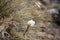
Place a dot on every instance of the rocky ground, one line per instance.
(14, 15)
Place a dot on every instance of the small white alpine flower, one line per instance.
(31, 22)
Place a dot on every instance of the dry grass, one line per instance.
(14, 17)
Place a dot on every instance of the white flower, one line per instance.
(53, 11)
(31, 22)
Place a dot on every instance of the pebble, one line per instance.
(53, 11)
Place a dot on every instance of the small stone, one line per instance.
(49, 23)
(53, 11)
